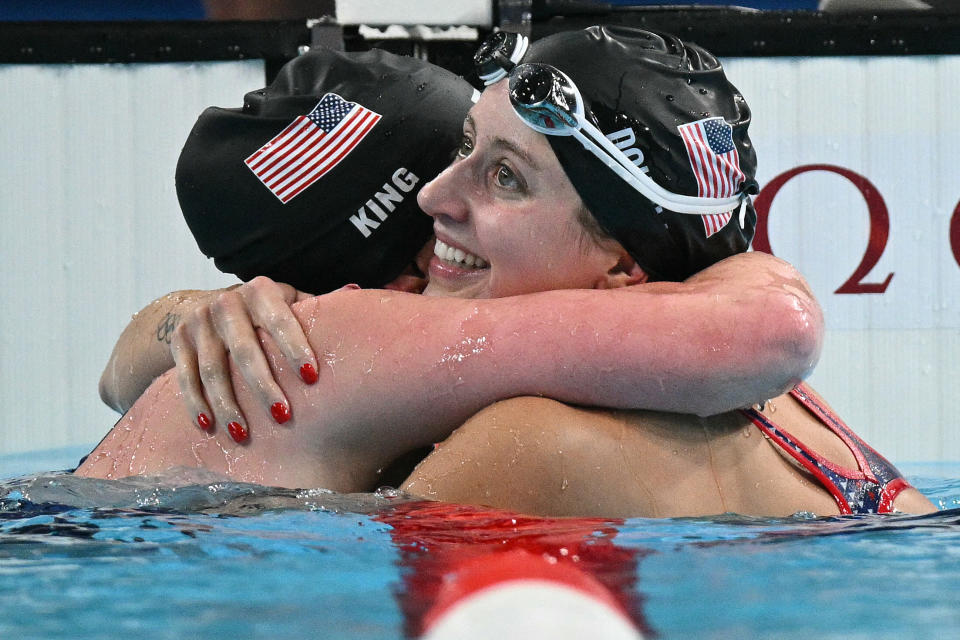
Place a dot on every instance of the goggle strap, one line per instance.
(589, 136)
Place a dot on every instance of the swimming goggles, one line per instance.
(548, 101)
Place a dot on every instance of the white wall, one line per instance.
(890, 363)
(91, 231)
(89, 227)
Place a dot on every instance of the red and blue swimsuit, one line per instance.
(870, 489)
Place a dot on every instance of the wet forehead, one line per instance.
(495, 123)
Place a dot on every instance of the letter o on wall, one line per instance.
(879, 224)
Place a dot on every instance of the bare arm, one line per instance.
(398, 371)
(153, 342)
(143, 350)
(740, 332)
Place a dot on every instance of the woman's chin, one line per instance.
(440, 290)
(452, 281)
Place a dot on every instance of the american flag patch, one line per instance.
(311, 145)
(715, 163)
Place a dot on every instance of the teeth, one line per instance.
(458, 257)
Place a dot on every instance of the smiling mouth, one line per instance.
(458, 257)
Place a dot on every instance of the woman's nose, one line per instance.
(444, 195)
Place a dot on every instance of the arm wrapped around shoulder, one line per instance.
(415, 367)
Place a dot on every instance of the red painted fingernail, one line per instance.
(203, 421)
(309, 374)
(237, 432)
(280, 412)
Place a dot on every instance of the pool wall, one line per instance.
(857, 155)
(91, 229)
(861, 190)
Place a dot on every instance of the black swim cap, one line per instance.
(314, 181)
(642, 90)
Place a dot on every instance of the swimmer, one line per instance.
(514, 188)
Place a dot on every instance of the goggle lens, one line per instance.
(531, 84)
(498, 54)
(544, 98)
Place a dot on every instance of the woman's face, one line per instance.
(505, 214)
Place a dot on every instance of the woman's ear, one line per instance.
(624, 273)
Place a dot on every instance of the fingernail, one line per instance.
(309, 374)
(237, 432)
(203, 421)
(280, 412)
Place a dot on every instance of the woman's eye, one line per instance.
(465, 148)
(507, 179)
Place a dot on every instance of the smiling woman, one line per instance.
(541, 456)
(515, 200)
(506, 202)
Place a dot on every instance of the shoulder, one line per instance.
(544, 424)
(530, 419)
(534, 409)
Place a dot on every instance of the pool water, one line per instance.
(84, 558)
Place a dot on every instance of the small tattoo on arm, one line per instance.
(166, 327)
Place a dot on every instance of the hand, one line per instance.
(226, 327)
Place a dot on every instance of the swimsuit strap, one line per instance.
(833, 422)
(810, 461)
(876, 467)
(869, 489)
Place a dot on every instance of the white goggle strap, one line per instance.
(616, 160)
